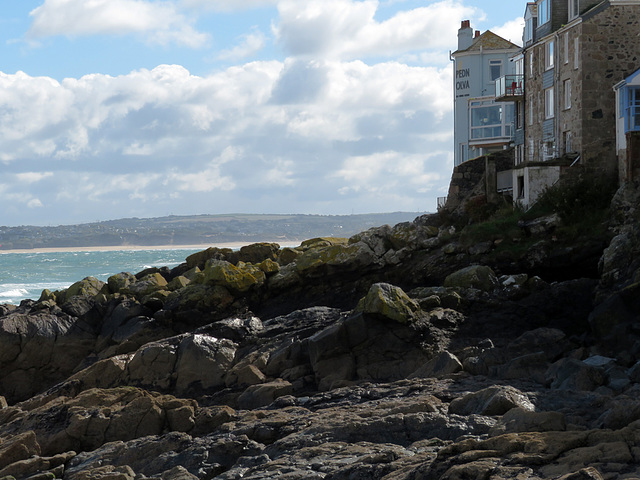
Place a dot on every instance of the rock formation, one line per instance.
(396, 354)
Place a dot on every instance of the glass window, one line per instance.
(567, 94)
(548, 103)
(531, 63)
(576, 56)
(495, 69)
(528, 30)
(544, 11)
(574, 9)
(634, 109)
(491, 120)
(566, 47)
(549, 54)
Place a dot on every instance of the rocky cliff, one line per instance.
(398, 354)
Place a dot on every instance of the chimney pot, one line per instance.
(465, 24)
(477, 34)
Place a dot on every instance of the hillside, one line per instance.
(195, 230)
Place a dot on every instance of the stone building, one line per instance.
(628, 127)
(574, 53)
(482, 125)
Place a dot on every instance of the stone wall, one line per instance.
(469, 179)
(608, 42)
(611, 52)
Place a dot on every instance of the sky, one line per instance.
(145, 108)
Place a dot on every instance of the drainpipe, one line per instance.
(556, 60)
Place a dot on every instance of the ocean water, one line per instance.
(25, 275)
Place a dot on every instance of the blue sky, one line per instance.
(120, 108)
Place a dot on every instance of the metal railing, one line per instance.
(510, 87)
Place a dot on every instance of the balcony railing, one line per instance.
(510, 88)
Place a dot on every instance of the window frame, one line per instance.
(549, 103)
(544, 12)
(567, 93)
(576, 53)
(495, 63)
(549, 54)
(566, 47)
(573, 9)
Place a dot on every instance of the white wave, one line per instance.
(18, 292)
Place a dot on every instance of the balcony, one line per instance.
(510, 88)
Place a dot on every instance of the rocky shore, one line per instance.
(396, 354)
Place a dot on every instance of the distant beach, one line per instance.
(117, 248)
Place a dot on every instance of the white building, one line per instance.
(481, 125)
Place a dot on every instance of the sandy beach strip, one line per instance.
(114, 248)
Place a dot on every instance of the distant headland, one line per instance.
(195, 230)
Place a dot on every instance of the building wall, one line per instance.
(569, 119)
(608, 51)
(611, 52)
(472, 80)
(530, 182)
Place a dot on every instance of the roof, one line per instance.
(631, 80)
(490, 41)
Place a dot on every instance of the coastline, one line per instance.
(113, 248)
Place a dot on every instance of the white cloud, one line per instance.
(159, 22)
(251, 44)
(35, 203)
(33, 177)
(209, 179)
(348, 28)
(311, 134)
(229, 5)
(511, 30)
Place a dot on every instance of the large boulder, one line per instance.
(240, 278)
(341, 256)
(496, 400)
(476, 276)
(258, 252)
(390, 302)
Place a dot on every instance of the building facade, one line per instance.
(482, 125)
(628, 126)
(574, 52)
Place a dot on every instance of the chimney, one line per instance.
(477, 34)
(465, 35)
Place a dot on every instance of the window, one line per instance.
(520, 192)
(530, 111)
(576, 56)
(519, 66)
(567, 94)
(531, 63)
(490, 120)
(568, 147)
(531, 150)
(528, 30)
(519, 154)
(566, 47)
(633, 119)
(486, 122)
(548, 103)
(495, 69)
(549, 54)
(544, 11)
(574, 7)
(548, 150)
(519, 115)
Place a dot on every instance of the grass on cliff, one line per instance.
(582, 202)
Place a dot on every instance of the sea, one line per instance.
(25, 275)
